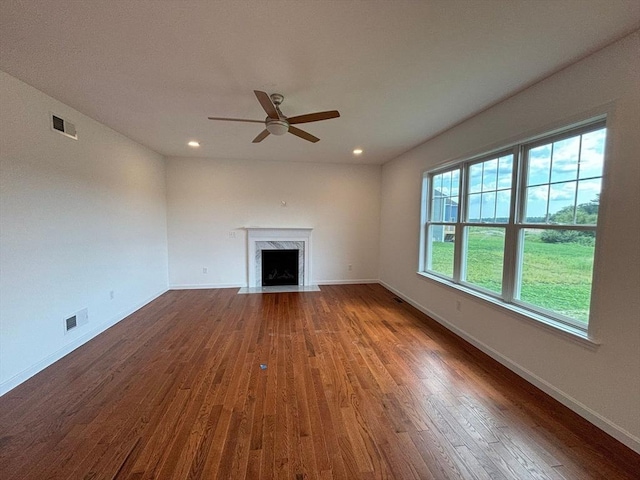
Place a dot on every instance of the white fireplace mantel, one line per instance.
(278, 238)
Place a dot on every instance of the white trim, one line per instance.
(347, 282)
(26, 374)
(204, 286)
(605, 111)
(279, 289)
(567, 400)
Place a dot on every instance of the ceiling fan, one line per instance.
(276, 123)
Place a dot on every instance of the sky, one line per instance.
(565, 172)
(559, 174)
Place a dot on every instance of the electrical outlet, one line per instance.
(205, 270)
(458, 305)
(232, 234)
(350, 267)
(112, 294)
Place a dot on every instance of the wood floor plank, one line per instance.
(346, 383)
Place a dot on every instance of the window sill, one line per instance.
(558, 328)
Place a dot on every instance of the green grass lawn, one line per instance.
(555, 276)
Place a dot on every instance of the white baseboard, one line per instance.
(585, 412)
(205, 286)
(242, 285)
(26, 374)
(346, 282)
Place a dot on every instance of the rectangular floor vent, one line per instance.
(64, 127)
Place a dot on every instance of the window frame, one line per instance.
(515, 228)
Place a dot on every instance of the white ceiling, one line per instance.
(398, 71)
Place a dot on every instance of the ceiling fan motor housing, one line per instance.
(276, 98)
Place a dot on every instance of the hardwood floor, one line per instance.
(346, 383)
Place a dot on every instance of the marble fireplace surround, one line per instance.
(259, 239)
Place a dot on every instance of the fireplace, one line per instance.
(261, 240)
(279, 267)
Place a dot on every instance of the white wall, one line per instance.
(78, 219)
(207, 199)
(603, 384)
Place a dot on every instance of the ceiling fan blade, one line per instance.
(302, 134)
(267, 104)
(264, 134)
(313, 117)
(235, 119)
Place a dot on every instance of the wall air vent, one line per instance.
(76, 320)
(71, 322)
(64, 127)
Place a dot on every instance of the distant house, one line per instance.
(445, 209)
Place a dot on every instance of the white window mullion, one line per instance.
(510, 267)
(462, 214)
(425, 251)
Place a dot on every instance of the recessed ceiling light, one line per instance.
(357, 151)
(193, 144)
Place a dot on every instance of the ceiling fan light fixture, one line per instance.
(277, 127)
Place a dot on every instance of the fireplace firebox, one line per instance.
(280, 267)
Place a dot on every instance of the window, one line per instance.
(520, 225)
